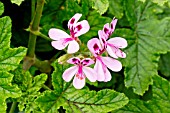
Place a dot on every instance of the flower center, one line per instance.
(80, 73)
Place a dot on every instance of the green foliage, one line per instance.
(30, 89)
(1, 8)
(74, 100)
(159, 102)
(137, 88)
(116, 8)
(18, 2)
(100, 5)
(7, 89)
(10, 57)
(141, 62)
(159, 2)
(164, 64)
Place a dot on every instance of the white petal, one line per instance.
(59, 44)
(57, 34)
(120, 53)
(74, 20)
(78, 83)
(113, 25)
(118, 42)
(69, 73)
(94, 46)
(81, 28)
(74, 60)
(99, 69)
(72, 47)
(87, 62)
(112, 64)
(111, 52)
(90, 73)
(108, 76)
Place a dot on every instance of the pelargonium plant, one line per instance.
(97, 47)
(84, 56)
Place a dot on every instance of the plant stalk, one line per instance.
(14, 105)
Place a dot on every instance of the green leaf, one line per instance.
(9, 58)
(18, 2)
(164, 64)
(102, 101)
(100, 5)
(7, 89)
(1, 8)
(160, 102)
(30, 88)
(145, 44)
(74, 100)
(116, 8)
(159, 2)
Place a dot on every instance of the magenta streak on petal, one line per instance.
(79, 27)
(72, 20)
(115, 48)
(80, 73)
(66, 40)
(85, 62)
(103, 65)
(75, 61)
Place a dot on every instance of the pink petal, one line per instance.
(72, 47)
(112, 64)
(90, 73)
(94, 46)
(69, 73)
(113, 24)
(108, 76)
(118, 42)
(81, 28)
(102, 38)
(99, 69)
(106, 30)
(87, 62)
(74, 20)
(78, 83)
(59, 44)
(120, 53)
(112, 52)
(74, 60)
(57, 34)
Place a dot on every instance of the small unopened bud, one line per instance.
(64, 58)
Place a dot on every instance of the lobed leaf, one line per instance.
(160, 102)
(74, 100)
(9, 58)
(145, 44)
(7, 89)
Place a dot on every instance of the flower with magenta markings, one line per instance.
(62, 39)
(112, 45)
(80, 71)
(102, 63)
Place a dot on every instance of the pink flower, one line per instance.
(81, 71)
(112, 45)
(62, 39)
(102, 63)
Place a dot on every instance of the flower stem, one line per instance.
(14, 104)
(34, 26)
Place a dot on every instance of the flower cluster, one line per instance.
(97, 46)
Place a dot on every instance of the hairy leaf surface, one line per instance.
(160, 102)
